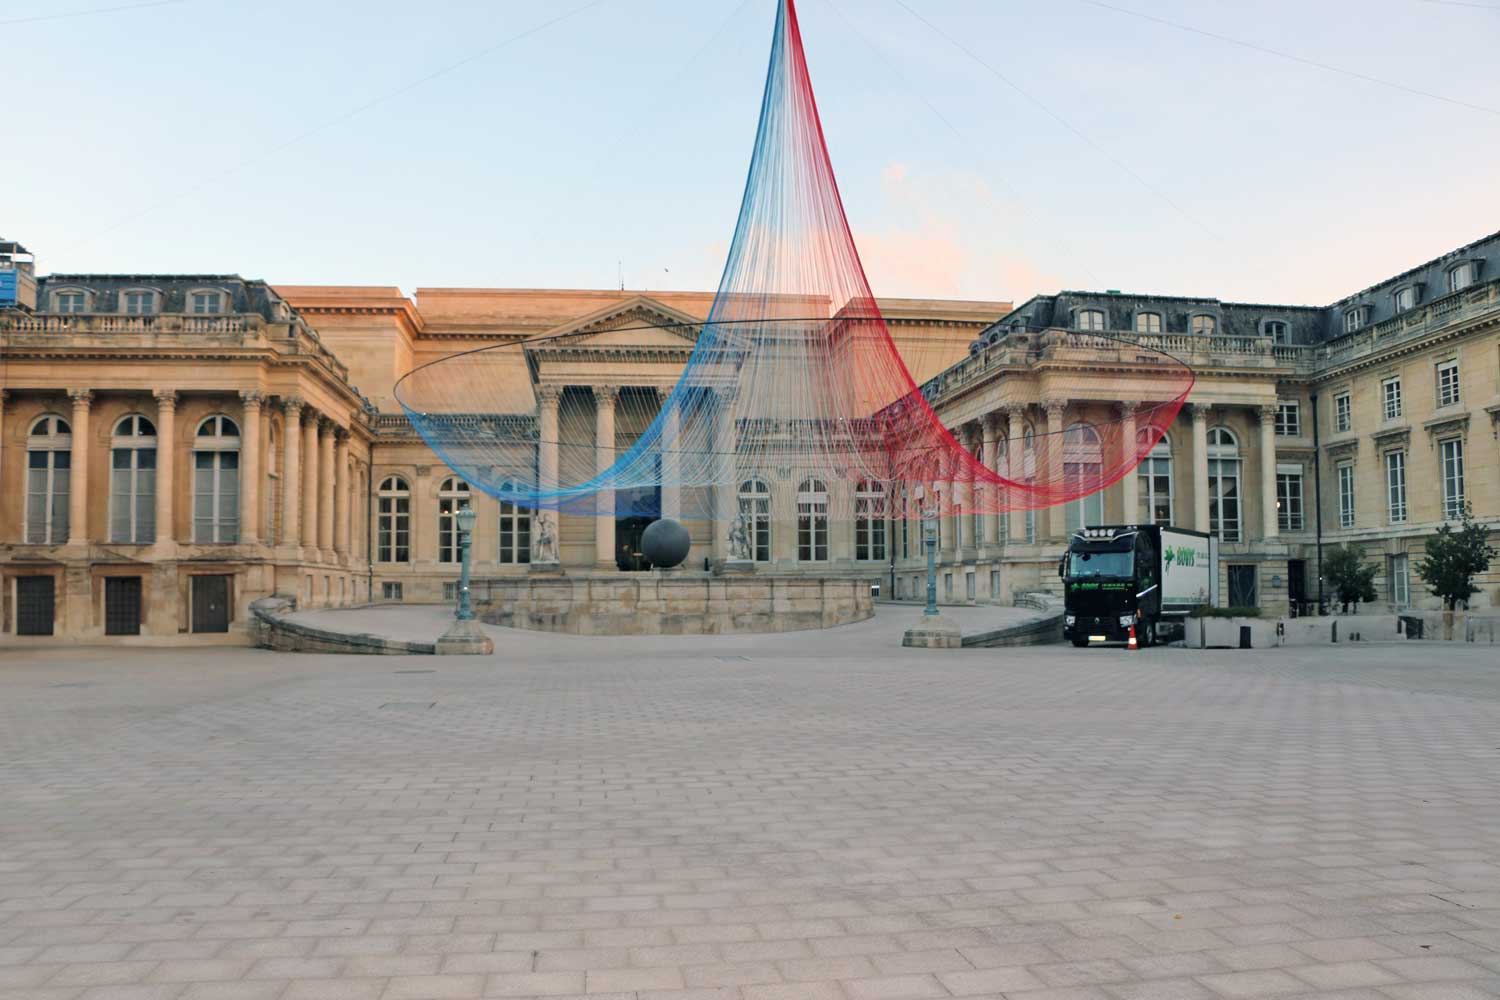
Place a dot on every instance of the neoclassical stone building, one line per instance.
(129, 403)
(260, 425)
(1369, 421)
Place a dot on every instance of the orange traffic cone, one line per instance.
(1132, 645)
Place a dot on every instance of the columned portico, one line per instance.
(78, 486)
(605, 398)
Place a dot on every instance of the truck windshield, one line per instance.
(1100, 563)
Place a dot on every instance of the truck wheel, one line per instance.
(1148, 633)
(1080, 643)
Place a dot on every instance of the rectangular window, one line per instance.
(1224, 498)
(1461, 277)
(1289, 498)
(1204, 325)
(1354, 319)
(1405, 299)
(1390, 395)
(216, 497)
(1447, 384)
(207, 303)
(132, 496)
(70, 302)
(390, 591)
(1395, 486)
(47, 474)
(1343, 412)
(1346, 495)
(1148, 323)
(450, 590)
(140, 303)
(1289, 420)
(1090, 319)
(1453, 478)
(1154, 488)
(1277, 331)
(1398, 573)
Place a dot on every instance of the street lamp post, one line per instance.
(465, 520)
(930, 539)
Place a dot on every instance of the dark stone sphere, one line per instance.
(665, 543)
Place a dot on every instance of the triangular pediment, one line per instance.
(640, 321)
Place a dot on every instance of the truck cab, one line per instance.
(1111, 583)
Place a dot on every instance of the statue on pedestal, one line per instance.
(739, 539)
(544, 542)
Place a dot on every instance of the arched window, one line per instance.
(216, 481)
(393, 521)
(869, 522)
(1083, 473)
(49, 453)
(812, 521)
(70, 300)
(1154, 480)
(452, 497)
(1223, 484)
(1204, 325)
(132, 482)
(1089, 319)
(515, 531)
(1148, 322)
(755, 507)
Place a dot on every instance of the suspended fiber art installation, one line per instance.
(792, 383)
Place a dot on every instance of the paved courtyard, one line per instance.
(817, 816)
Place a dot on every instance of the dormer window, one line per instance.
(207, 303)
(139, 303)
(1461, 276)
(1148, 322)
(70, 302)
(1278, 331)
(1204, 325)
(1356, 318)
(1405, 298)
(1089, 319)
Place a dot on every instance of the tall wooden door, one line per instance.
(122, 605)
(34, 605)
(210, 604)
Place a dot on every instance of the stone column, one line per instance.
(326, 490)
(310, 480)
(166, 457)
(1015, 455)
(341, 495)
(1130, 484)
(1052, 451)
(963, 494)
(1200, 465)
(547, 397)
(1271, 526)
(605, 397)
(726, 490)
(250, 472)
(78, 477)
(988, 454)
(671, 459)
(291, 468)
(4, 395)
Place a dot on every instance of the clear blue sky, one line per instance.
(159, 139)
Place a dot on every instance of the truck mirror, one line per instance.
(1062, 567)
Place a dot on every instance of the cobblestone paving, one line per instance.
(811, 816)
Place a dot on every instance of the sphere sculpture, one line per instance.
(665, 543)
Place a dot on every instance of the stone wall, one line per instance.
(673, 602)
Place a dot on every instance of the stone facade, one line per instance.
(1386, 404)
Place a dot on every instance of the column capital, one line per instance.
(1016, 412)
(81, 398)
(326, 424)
(606, 393)
(293, 406)
(1127, 409)
(990, 426)
(1268, 412)
(1200, 411)
(253, 397)
(4, 395)
(1055, 407)
(341, 436)
(547, 393)
(166, 399)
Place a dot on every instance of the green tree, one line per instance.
(1352, 579)
(1454, 558)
